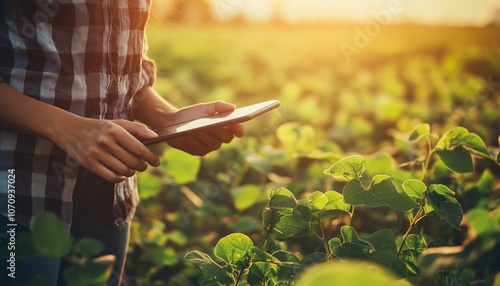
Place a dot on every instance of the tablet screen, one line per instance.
(238, 115)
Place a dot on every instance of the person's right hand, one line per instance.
(108, 148)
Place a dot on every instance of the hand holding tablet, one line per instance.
(238, 115)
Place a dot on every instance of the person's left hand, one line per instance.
(204, 142)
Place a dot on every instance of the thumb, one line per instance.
(138, 130)
(215, 107)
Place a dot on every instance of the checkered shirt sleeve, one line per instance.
(86, 57)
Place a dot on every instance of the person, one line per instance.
(74, 84)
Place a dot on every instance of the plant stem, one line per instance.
(425, 167)
(324, 238)
(420, 215)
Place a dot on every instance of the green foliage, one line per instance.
(397, 105)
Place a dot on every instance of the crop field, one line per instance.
(382, 156)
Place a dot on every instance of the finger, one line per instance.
(129, 160)
(138, 130)
(136, 148)
(238, 130)
(104, 172)
(210, 108)
(115, 165)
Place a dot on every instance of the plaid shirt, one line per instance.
(86, 57)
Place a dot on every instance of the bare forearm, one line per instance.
(151, 109)
(25, 114)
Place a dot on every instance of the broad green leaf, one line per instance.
(211, 269)
(313, 258)
(390, 261)
(164, 256)
(459, 136)
(419, 131)
(480, 189)
(458, 159)
(148, 184)
(291, 225)
(349, 233)
(352, 246)
(348, 168)
(349, 274)
(260, 273)
(281, 198)
(415, 242)
(447, 208)
(381, 192)
(245, 196)
(415, 189)
(180, 166)
(441, 189)
(311, 205)
(269, 218)
(233, 247)
(94, 272)
(336, 202)
(50, 237)
(285, 256)
(383, 240)
(88, 247)
(260, 255)
(410, 258)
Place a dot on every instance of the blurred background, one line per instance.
(353, 77)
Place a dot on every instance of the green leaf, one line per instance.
(447, 208)
(419, 131)
(95, 272)
(211, 269)
(458, 159)
(260, 255)
(281, 198)
(336, 202)
(441, 189)
(410, 258)
(390, 261)
(415, 189)
(269, 218)
(349, 274)
(245, 196)
(88, 247)
(233, 247)
(348, 168)
(352, 246)
(459, 136)
(50, 237)
(295, 225)
(162, 256)
(415, 242)
(311, 205)
(285, 256)
(148, 184)
(383, 240)
(260, 273)
(381, 192)
(180, 166)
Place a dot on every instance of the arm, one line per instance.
(151, 109)
(111, 150)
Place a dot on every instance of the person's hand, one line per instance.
(204, 142)
(108, 148)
